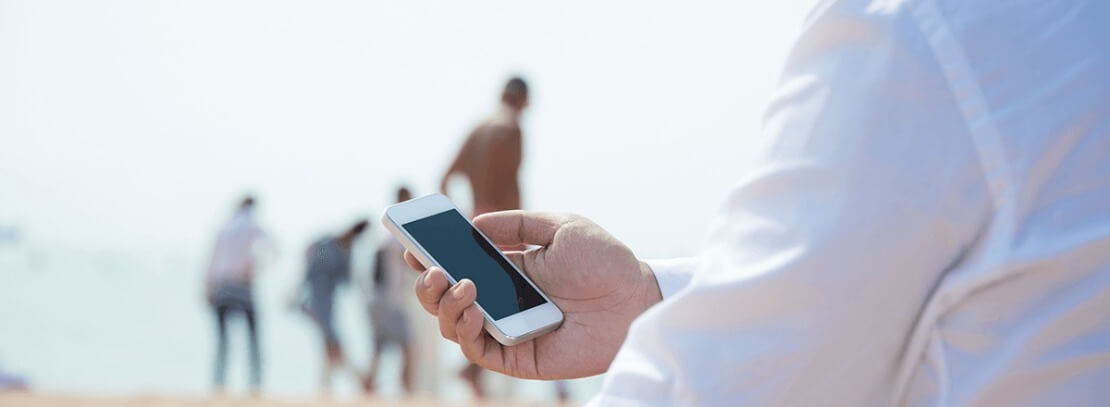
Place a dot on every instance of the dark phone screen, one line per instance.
(451, 240)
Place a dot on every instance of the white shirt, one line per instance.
(928, 225)
(233, 259)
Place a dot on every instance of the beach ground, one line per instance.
(29, 399)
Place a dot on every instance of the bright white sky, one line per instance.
(135, 125)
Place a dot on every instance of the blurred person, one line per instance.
(229, 287)
(490, 159)
(927, 225)
(12, 382)
(562, 392)
(388, 317)
(329, 266)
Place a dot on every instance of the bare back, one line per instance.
(491, 159)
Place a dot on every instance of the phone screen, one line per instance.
(454, 243)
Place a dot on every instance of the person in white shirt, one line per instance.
(229, 286)
(928, 224)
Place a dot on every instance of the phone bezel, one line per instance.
(510, 330)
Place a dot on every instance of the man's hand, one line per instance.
(597, 282)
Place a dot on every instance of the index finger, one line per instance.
(517, 227)
(413, 262)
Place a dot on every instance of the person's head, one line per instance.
(515, 94)
(247, 203)
(403, 194)
(357, 228)
(353, 232)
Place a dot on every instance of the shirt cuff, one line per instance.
(672, 274)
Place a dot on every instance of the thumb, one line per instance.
(517, 227)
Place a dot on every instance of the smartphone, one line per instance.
(437, 234)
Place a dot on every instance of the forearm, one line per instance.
(651, 293)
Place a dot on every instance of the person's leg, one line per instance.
(321, 310)
(338, 361)
(329, 365)
(406, 368)
(371, 379)
(256, 353)
(221, 348)
(472, 374)
(561, 391)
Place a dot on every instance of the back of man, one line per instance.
(233, 256)
(491, 156)
(490, 159)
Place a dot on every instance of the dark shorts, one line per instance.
(320, 308)
(229, 295)
(390, 324)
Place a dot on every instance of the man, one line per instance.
(927, 226)
(329, 266)
(491, 156)
(388, 317)
(229, 286)
(490, 159)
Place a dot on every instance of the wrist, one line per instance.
(652, 294)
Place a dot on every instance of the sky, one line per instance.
(128, 129)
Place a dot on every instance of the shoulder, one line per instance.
(863, 84)
(859, 24)
(504, 132)
(861, 51)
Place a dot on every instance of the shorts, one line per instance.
(319, 307)
(233, 295)
(390, 324)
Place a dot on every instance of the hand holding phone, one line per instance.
(595, 281)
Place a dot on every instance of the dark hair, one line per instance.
(247, 202)
(517, 86)
(403, 193)
(358, 228)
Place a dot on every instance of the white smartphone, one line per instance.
(437, 234)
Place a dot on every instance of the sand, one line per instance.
(49, 400)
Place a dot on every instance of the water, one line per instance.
(111, 323)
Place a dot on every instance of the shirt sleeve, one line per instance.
(868, 190)
(672, 274)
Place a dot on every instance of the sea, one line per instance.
(83, 322)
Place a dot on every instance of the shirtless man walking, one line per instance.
(490, 159)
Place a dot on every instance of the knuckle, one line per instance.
(446, 329)
(447, 336)
(425, 297)
(469, 351)
(431, 307)
(452, 304)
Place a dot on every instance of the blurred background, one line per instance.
(129, 130)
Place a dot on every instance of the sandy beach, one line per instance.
(50, 400)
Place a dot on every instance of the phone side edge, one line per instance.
(406, 241)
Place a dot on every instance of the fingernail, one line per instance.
(427, 279)
(458, 294)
